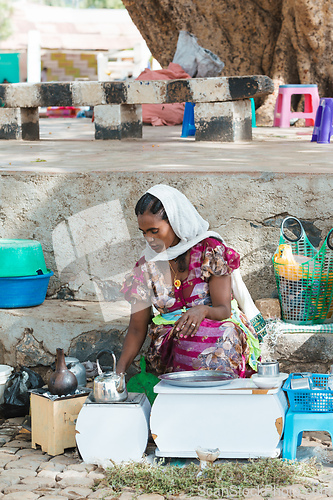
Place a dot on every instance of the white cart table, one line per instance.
(239, 419)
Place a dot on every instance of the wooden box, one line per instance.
(53, 422)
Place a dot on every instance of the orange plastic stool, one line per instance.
(283, 113)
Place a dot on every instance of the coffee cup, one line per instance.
(301, 381)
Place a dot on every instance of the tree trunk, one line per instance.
(291, 41)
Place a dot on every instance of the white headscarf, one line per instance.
(184, 219)
(191, 228)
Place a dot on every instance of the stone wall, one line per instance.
(30, 336)
(88, 229)
(300, 352)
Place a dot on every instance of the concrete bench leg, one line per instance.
(107, 122)
(131, 121)
(223, 121)
(10, 123)
(30, 124)
(118, 121)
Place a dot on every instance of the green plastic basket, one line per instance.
(306, 288)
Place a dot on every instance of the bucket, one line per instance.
(5, 371)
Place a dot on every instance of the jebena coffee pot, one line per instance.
(109, 387)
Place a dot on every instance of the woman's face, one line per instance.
(157, 232)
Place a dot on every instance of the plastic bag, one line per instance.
(195, 60)
(143, 382)
(163, 114)
(17, 396)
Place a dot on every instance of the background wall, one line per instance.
(88, 229)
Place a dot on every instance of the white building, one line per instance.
(71, 39)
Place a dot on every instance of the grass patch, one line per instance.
(170, 480)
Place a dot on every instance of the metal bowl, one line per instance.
(268, 368)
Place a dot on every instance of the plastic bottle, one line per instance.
(330, 380)
(291, 266)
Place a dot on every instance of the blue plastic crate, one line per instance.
(317, 399)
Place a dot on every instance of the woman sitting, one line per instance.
(188, 275)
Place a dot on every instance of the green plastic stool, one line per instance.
(143, 382)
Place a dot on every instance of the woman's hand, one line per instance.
(220, 293)
(188, 324)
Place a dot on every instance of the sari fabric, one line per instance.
(217, 345)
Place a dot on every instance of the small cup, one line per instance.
(301, 381)
(268, 368)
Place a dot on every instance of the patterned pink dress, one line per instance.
(217, 345)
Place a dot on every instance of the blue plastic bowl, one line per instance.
(23, 291)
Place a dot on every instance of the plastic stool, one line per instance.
(323, 128)
(253, 110)
(283, 113)
(188, 127)
(297, 422)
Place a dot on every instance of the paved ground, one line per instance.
(29, 474)
(69, 146)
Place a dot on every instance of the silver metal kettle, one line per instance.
(109, 387)
(74, 365)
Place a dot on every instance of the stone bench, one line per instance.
(222, 111)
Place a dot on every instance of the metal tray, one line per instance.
(200, 378)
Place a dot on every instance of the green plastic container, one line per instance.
(21, 258)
